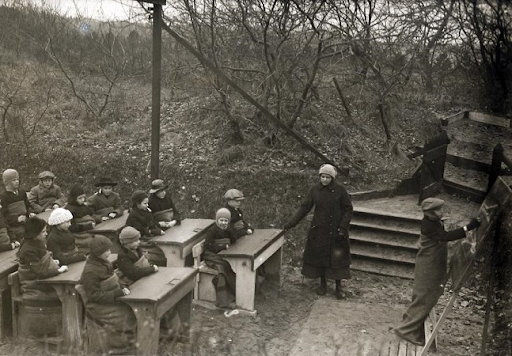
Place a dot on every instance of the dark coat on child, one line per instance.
(236, 216)
(41, 198)
(143, 221)
(30, 255)
(5, 239)
(156, 205)
(78, 212)
(126, 259)
(328, 231)
(95, 271)
(7, 198)
(103, 205)
(62, 244)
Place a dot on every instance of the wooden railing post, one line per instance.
(497, 158)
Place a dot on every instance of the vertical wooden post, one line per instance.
(155, 102)
(497, 158)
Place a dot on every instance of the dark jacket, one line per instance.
(156, 205)
(125, 262)
(328, 232)
(5, 239)
(30, 255)
(41, 198)
(8, 198)
(61, 242)
(79, 211)
(236, 216)
(143, 221)
(216, 239)
(96, 271)
(112, 204)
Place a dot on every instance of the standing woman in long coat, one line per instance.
(327, 251)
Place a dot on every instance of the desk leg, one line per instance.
(148, 329)
(273, 266)
(173, 255)
(245, 284)
(72, 315)
(184, 307)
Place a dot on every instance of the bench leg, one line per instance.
(273, 266)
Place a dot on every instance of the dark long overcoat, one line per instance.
(328, 240)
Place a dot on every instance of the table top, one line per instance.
(252, 245)
(111, 225)
(72, 275)
(8, 262)
(156, 286)
(183, 233)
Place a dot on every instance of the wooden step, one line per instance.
(377, 224)
(383, 237)
(393, 255)
(453, 187)
(382, 268)
(387, 214)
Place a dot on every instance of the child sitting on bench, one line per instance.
(61, 242)
(234, 198)
(46, 195)
(105, 202)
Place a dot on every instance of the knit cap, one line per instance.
(222, 213)
(59, 216)
(430, 204)
(234, 194)
(33, 227)
(46, 174)
(129, 234)
(99, 244)
(8, 175)
(75, 192)
(138, 196)
(329, 170)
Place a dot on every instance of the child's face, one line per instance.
(133, 245)
(223, 223)
(80, 200)
(105, 255)
(47, 182)
(161, 193)
(234, 203)
(106, 190)
(65, 225)
(143, 205)
(42, 235)
(439, 212)
(325, 179)
(15, 183)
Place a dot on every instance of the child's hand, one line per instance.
(48, 209)
(104, 218)
(62, 269)
(112, 215)
(155, 267)
(31, 215)
(55, 206)
(22, 218)
(249, 231)
(162, 224)
(172, 223)
(238, 225)
(126, 291)
(15, 244)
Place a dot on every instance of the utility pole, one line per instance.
(156, 85)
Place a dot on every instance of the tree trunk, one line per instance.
(384, 121)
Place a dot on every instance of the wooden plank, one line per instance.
(434, 153)
(183, 233)
(489, 119)
(468, 163)
(454, 118)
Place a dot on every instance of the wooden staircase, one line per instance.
(384, 242)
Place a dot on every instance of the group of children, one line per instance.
(47, 248)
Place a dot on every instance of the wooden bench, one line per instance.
(204, 289)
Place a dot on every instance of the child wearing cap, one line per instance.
(430, 269)
(101, 289)
(83, 218)
(36, 262)
(15, 205)
(61, 242)
(218, 238)
(161, 205)
(131, 262)
(234, 198)
(105, 202)
(46, 195)
(327, 251)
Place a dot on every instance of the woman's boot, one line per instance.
(322, 289)
(339, 292)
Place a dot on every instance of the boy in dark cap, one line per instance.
(430, 269)
(102, 288)
(105, 202)
(234, 198)
(46, 195)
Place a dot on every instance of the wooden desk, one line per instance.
(249, 253)
(177, 242)
(8, 265)
(72, 308)
(152, 296)
(111, 225)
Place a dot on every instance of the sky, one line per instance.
(97, 9)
